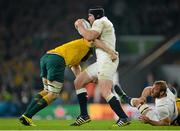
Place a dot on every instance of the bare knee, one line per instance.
(78, 83)
(105, 93)
(105, 88)
(81, 80)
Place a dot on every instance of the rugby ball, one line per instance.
(86, 25)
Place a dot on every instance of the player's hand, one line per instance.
(78, 23)
(144, 119)
(138, 101)
(113, 56)
(142, 100)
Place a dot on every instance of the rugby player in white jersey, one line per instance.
(102, 70)
(165, 110)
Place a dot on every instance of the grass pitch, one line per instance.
(14, 124)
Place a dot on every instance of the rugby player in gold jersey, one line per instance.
(52, 66)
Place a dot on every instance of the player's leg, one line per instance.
(135, 102)
(105, 76)
(53, 84)
(23, 118)
(54, 89)
(80, 82)
(82, 79)
(105, 89)
(143, 108)
(127, 99)
(178, 106)
(119, 91)
(35, 99)
(27, 120)
(43, 75)
(38, 96)
(81, 93)
(177, 120)
(122, 95)
(55, 66)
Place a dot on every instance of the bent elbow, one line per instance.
(90, 38)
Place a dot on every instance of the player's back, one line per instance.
(72, 51)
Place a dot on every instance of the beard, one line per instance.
(156, 95)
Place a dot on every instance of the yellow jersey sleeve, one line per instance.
(178, 104)
(73, 51)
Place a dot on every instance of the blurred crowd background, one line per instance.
(28, 28)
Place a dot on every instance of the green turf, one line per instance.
(13, 124)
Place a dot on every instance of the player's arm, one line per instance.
(163, 122)
(86, 33)
(92, 35)
(76, 69)
(99, 44)
(142, 99)
(146, 92)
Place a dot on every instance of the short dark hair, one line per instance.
(97, 11)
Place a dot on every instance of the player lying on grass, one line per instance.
(165, 111)
(52, 65)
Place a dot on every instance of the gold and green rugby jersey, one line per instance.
(73, 51)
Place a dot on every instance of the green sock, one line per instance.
(33, 102)
(36, 108)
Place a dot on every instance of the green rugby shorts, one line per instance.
(52, 67)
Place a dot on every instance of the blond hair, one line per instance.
(163, 85)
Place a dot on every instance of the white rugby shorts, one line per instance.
(103, 69)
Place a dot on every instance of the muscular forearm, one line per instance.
(146, 92)
(163, 122)
(104, 47)
(99, 44)
(87, 34)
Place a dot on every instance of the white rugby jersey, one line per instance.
(107, 35)
(166, 106)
